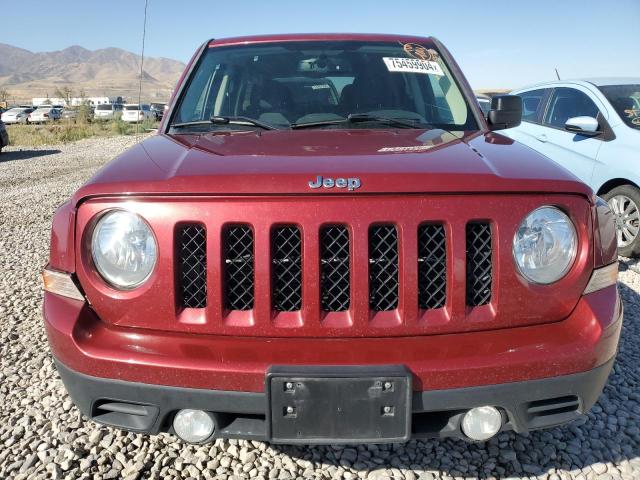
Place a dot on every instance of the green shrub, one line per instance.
(120, 127)
(68, 130)
(84, 114)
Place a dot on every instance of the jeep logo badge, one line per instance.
(351, 183)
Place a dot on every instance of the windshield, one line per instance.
(288, 83)
(626, 100)
(132, 107)
(104, 107)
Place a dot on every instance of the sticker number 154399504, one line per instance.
(412, 65)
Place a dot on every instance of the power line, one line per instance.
(144, 34)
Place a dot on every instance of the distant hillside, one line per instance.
(108, 72)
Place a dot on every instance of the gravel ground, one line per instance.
(42, 435)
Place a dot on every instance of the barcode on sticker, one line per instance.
(412, 65)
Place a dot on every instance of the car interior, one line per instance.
(568, 103)
(297, 86)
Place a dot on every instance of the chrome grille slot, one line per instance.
(192, 246)
(286, 268)
(238, 267)
(335, 284)
(479, 264)
(383, 267)
(432, 266)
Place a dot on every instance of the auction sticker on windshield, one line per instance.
(412, 65)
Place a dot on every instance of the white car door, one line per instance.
(576, 152)
(533, 106)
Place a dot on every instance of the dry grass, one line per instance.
(64, 131)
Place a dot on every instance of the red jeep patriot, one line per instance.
(327, 243)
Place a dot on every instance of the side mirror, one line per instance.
(506, 112)
(587, 126)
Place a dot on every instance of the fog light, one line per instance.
(194, 426)
(481, 423)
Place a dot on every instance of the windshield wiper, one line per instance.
(242, 121)
(218, 120)
(357, 118)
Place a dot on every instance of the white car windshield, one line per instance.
(626, 100)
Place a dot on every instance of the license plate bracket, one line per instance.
(324, 405)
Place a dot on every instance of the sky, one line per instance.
(498, 44)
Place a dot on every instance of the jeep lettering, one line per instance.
(348, 183)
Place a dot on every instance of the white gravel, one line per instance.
(42, 435)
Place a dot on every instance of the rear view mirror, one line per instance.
(588, 126)
(506, 112)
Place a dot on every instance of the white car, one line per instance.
(107, 111)
(16, 115)
(44, 114)
(485, 104)
(592, 128)
(137, 113)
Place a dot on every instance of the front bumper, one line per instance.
(586, 339)
(145, 408)
(539, 375)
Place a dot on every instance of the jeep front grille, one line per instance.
(383, 267)
(238, 267)
(286, 273)
(479, 263)
(308, 273)
(192, 266)
(335, 284)
(432, 266)
(338, 265)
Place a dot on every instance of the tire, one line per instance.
(625, 204)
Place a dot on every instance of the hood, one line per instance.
(284, 162)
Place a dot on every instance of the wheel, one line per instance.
(625, 204)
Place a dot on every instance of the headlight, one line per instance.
(124, 249)
(545, 245)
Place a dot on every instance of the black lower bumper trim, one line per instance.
(150, 409)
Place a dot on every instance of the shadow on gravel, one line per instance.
(24, 154)
(603, 444)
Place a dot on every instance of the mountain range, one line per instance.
(103, 72)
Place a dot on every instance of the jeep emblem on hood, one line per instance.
(351, 183)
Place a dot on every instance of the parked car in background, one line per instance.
(592, 128)
(332, 269)
(4, 136)
(69, 113)
(134, 112)
(158, 110)
(485, 104)
(72, 113)
(16, 115)
(44, 114)
(108, 111)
